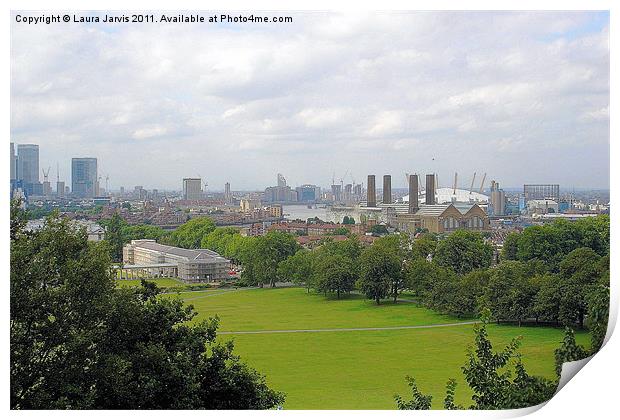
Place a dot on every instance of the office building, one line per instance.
(13, 163)
(308, 193)
(227, 194)
(84, 177)
(497, 204)
(60, 188)
(192, 188)
(28, 163)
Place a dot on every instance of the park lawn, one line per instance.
(357, 369)
(294, 308)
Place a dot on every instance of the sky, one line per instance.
(521, 96)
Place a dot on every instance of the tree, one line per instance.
(190, 234)
(142, 232)
(334, 274)
(114, 236)
(218, 239)
(378, 230)
(298, 268)
(419, 401)
(380, 273)
(78, 342)
(469, 293)
(569, 351)
(464, 251)
(418, 275)
(509, 294)
(597, 301)
(341, 231)
(261, 255)
(578, 271)
(546, 305)
(348, 220)
(424, 246)
(510, 246)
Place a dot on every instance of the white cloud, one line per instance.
(394, 90)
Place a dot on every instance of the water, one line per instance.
(301, 211)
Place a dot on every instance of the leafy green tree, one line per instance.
(78, 342)
(578, 271)
(142, 232)
(509, 294)
(510, 247)
(546, 305)
(464, 251)
(424, 246)
(334, 274)
(348, 220)
(341, 231)
(419, 274)
(419, 401)
(378, 230)
(298, 268)
(261, 255)
(189, 234)
(597, 300)
(569, 351)
(469, 293)
(219, 239)
(380, 273)
(114, 236)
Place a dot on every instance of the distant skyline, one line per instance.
(522, 96)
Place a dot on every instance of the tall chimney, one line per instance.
(387, 189)
(413, 194)
(371, 195)
(430, 189)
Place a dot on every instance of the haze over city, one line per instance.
(522, 96)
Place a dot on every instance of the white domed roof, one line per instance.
(447, 195)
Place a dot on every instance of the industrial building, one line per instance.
(437, 210)
(147, 258)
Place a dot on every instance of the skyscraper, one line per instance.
(13, 163)
(371, 193)
(84, 177)
(227, 195)
(28, 163)
(387, 189)
(192, 188)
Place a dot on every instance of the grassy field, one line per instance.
(356, 369)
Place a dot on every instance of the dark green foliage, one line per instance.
(348, 220)
(190, 233)
(598, 301)
(78, 342)
(378, 230)
(578, 271)
(114, 236)
(297, 268)
(341, 231)
(448, 402)
(261, 255)
(334, 274)
(424, 246)
(510, 294)
(380, 272)
(510, 247)
(219, 239)
(419, 401)
(569, 351)
(464, 251)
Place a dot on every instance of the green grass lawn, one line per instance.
(356, 369)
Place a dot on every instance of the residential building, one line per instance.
(84, 177)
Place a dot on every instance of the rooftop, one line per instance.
(205, 255)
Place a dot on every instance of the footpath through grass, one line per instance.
(357, 369)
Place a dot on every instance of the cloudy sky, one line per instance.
(521, 96)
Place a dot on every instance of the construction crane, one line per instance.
(471, 187)
(482, 183)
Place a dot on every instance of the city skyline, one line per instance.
(521, 96)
